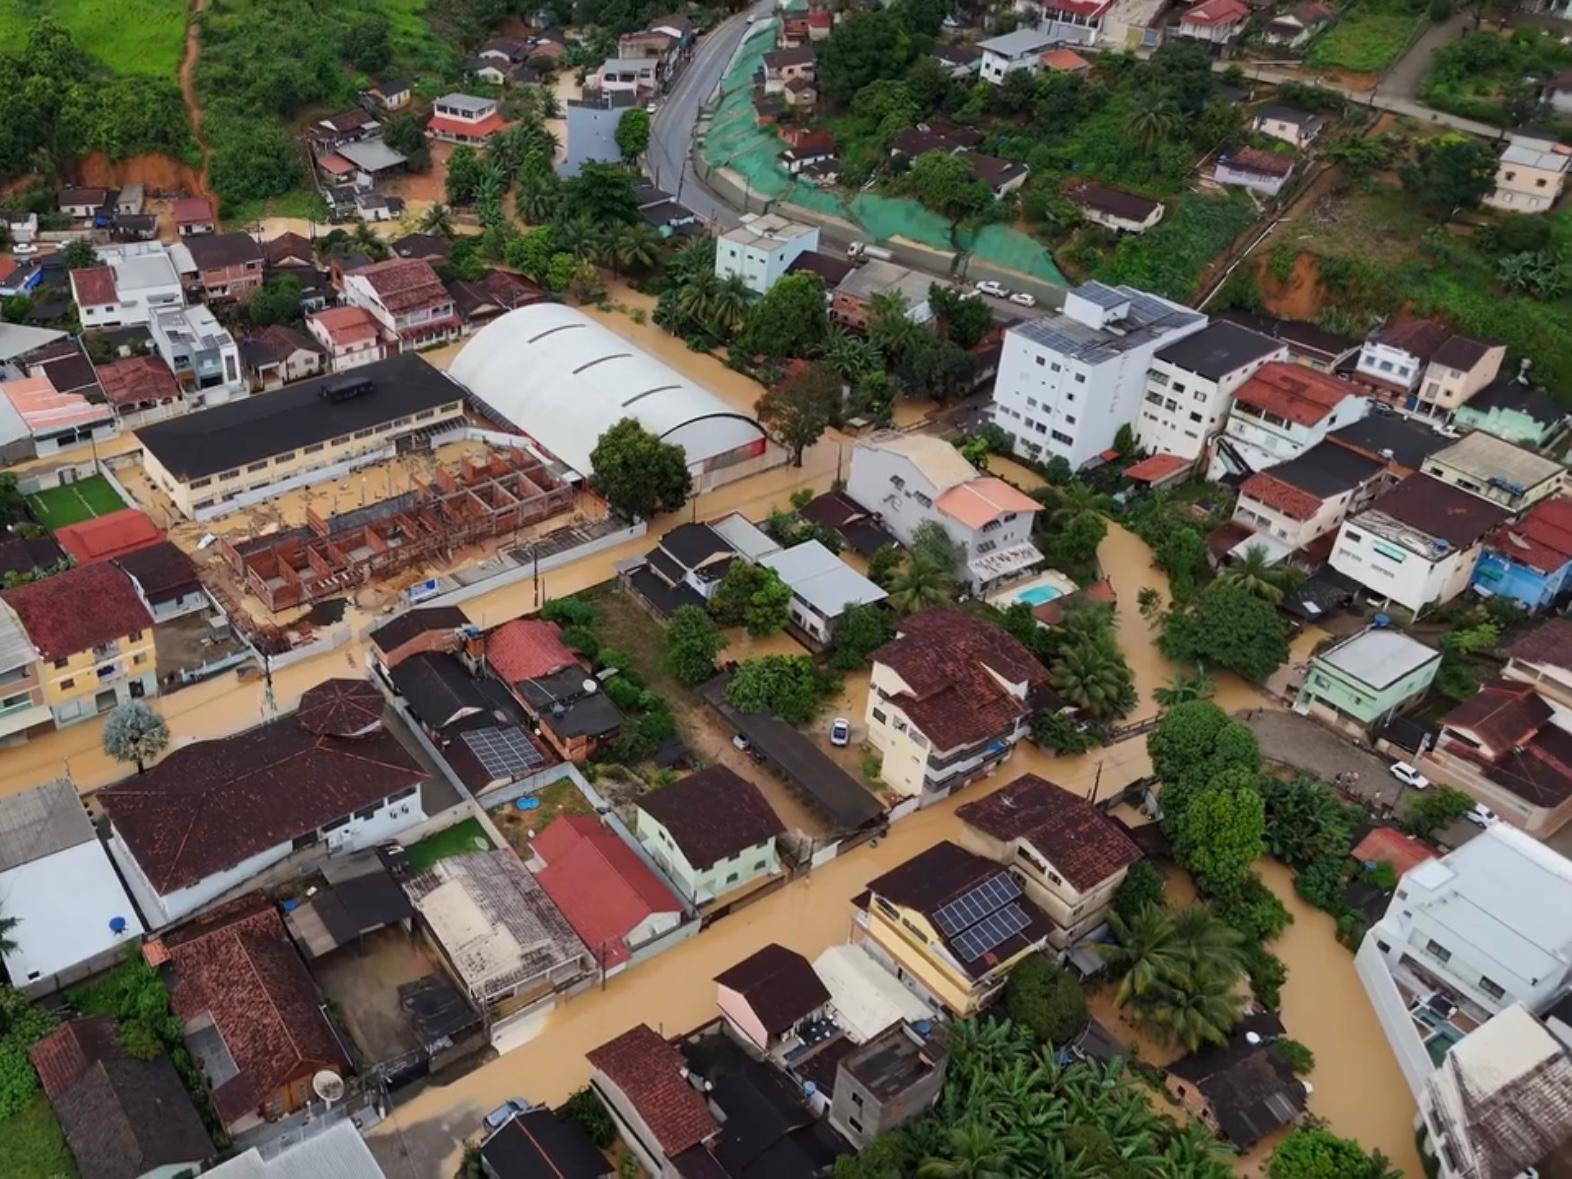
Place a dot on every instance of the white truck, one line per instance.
(860, 252)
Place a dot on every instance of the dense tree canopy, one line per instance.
(864, 48)
(1449, 173)
(788, 321)
(637, 473)
(1228, 627)
(789, 686)
(798, 410)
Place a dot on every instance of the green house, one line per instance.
(1363, 680)
(1513, 412)
(712, 833)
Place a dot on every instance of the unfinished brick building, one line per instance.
(509, 491)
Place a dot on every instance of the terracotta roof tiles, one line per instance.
(526, 649)
(1294, 393)
(1292, 502)
(78, 610)
(1084, 845)
(649, 1071)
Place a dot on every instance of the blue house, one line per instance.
(1529, 561)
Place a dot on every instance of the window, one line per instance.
(732, 878)
(336, 823)
(922, 499)
(1491, 988)
(67, 684)
(897, 482)
(1080, 379)
(61, 662)
(1351, 536)
(857, 1099)
(1063, 439)
(1178, 388)
(1041, 361)
(760, 865)
(315, 447)
(1053, 368)
(366, 812)
(987, 546)
(404, 793)
(1437, 950)
(228, 475)
(134, 636)
(200, 483)
(139, 658)
(305, 840)
(1195, 417)
(262, 466)
(285, 457)
(887, 909)
(880, 716)
(1158, 379)
(364, 433)
(854, 1124)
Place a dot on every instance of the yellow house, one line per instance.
(1071, 856)
(951, 925)
(94, 639)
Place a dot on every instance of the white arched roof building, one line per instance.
(564, 380)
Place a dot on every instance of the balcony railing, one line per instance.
(107, 651)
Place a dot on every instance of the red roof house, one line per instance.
(137, 382)
(1082, 844)
(1541, 540)
(649, 1075)
(526, 649)
(104, 538)
(1160, 470)
(1389, 845)
(1294, 393)
(343, 326)
(75, 611)
(612, 900)
(193, 215)
(94, 286)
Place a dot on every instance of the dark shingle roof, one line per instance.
(438, 688)
(540, 1145)
(1218, 349)
(1461, 353)
(242, 432)
(1116, 201)
(1440, 509)
(1083, 844)
(1409, 442)
(1505, 393)
(712, 815)
(210, 251)
(778, 984)
(126, 1117)
(693, 544)
(1326, 470)
(413, 623)
(1250, 1086)
(163, 570)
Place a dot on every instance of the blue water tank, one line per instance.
(527, 804)
(1381, 621)
(117, 925)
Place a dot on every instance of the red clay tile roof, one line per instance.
(1503, 713)
(105, 537)
(526, 649)
(1541, 540)
(944, 658)
(334, 164)
(347, 325)
(1294, 393)
(1549, 643)
(442, 124)
(403, 284)
(138, 379)
(1262, 163)
(649, 1071)
(1264, 487)
(1067, 60)
(601, 886)
(191, 210)
(1390, 845)
(286, 246)
(712, 815)
(238, 965)
(1084, 845)
(340, 708)
(94, 286)
(1216, 12)
(778, 984)
(63, 1056)
(1157, 468)
(211, 804)
(78, 610)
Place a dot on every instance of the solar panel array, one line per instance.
(968, 909)
(505, 753)
(990, 932)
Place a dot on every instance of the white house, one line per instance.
(349, 336)
(464, 118)
(1424, 365)
(1115, 209)
(913, 479)
(1417, 544)
(1260, 171)
(1281, 412)
(1494, 469)
(761, 248)
(1218, 23)
(200, 352)
(823, 587)
(628, 74)
(1020, 50)
(328, 778)
(1531, 174)
(1305, 498)
(1483, 927)
(1069, 379)
(1288, 125)
(1190, 386)
(129, 284)
(72, 916)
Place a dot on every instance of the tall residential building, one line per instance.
(1068, 380)
(1191, 386)
(1281, 412)
(200, 352)
(761, 248)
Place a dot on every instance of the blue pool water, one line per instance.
(1037, 595)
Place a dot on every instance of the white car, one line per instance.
(1022, 299)
(840, 731)
(23, 249)
(989, 287)
(1482, 816)
(1408, 775)
(650, 108)
(507, 1111)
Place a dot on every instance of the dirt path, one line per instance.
(188, 86)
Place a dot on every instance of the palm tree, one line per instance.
(1182, 688)
(634, 247)
(1209, 943)
(1094, 678)
(918, 585)
(1070, 501)
(696, 298)
(730, 306)
(694, 257)
(438, 220)
(1257, 576)
(538, 195)
(852, 356)
(366, 238)
(7, 924)
(582, 238)
(1155, 121)
(1143, 954)
(971, 1152)
(546, 102)
(1200, 1012)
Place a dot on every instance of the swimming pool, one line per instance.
(1038, 594)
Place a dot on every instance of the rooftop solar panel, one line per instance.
(504, 752)
(971, 907)
(991, 932)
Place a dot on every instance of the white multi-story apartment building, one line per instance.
(1416, 545)
(1191, 384)
(1281, 412)
(761, 248)
(913, 479)
(1067, 381)
(1483, 927)
(200, 352)
(128, 285)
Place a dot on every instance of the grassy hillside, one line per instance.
(132, 37)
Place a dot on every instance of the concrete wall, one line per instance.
(1392, 1014)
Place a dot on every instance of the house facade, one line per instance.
(1249, 167)
(349, 336)
(23, 708)
(200, 352)
(408, 301)
(1514, 411)
(463, 118)
(1531, 175)
(1297, 502)
(228, 265)
(760, 249)
(1497, 471)
(1020, 50)
(1368, 677)
(1280, 413)
(1191, 383)
(712, 832)
(1529, 561)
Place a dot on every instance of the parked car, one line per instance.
(989, 287)
(1022, 299)
(506, 1111)
(740, 742)
(22, 249)
(1482, 816)
(1408, 775)
(840, 731)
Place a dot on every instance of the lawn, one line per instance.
(35, 1146)
(129, 36)
(1367, 38)
(558, 799)
(457, 840)
(1472, 76)
(305, 204)
(72, 503)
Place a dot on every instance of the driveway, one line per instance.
(1299, 742)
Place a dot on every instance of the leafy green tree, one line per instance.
(1149, 602)
(769, 609)
(884, 565)
(603, 193)
(1155, 121)
(945, 183)
(1046, 998)
(405, 134)
(15, 308)
(368, 43)
(933, 545)
(1227, 627)
(634, 248)
(728, 604)
(633, 133)
(692, 642)
(1141, 886)
(788, 321)
(1058, 733)
(1428, 811)
(638, 474)
(465, 170)
(1221, 832)
(275, 301)
(1449, 173)
(1090, 673)
(789, 686)
(1256, 575)
(530, 253)
(1177, 971)
(1299, 1057)
(78, 254)
(1312, 1152)
(1182, 554)
(135, 733)
(1076, 545)
(863, 48)
(1306, 821)
(1192, 744)
(966, 321)
(861, 631)
(969, 1152)
(918, 585)
(797, 411)
(1182, 688)
(584, 1110)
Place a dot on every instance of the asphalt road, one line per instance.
(671, 132)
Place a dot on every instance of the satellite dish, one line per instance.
(590, 685)
(328, 1085)
(1252, 1037)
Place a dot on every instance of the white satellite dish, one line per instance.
(590, 685)
(1252, 1037)
(328, 1085)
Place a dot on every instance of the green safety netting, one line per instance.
(1010, 248)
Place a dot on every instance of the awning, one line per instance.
(1276, 550)
(1015, 559)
